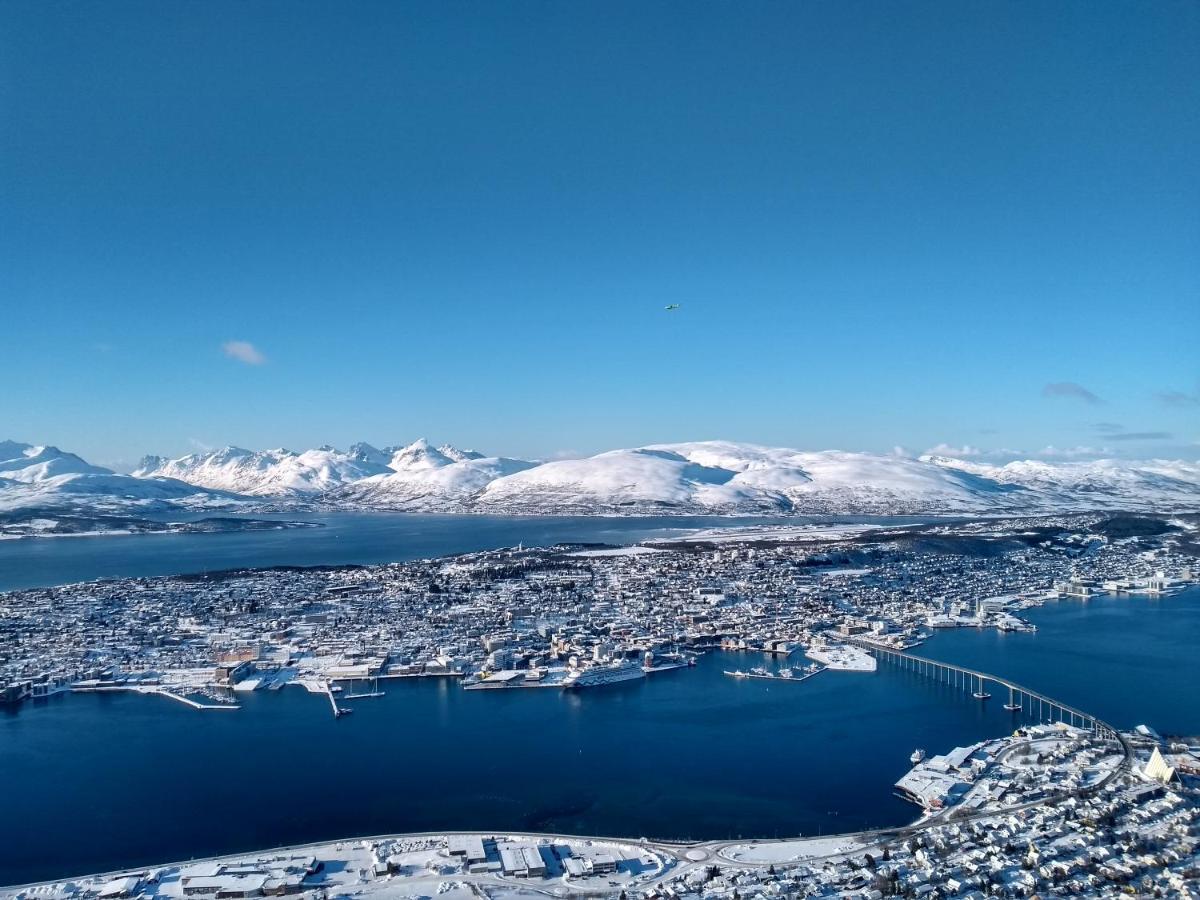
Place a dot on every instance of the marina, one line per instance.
(785, 674)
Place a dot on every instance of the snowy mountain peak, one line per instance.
(365, 453)
(277, 472)
(30, 463)
(420, 454)
(459, 455)
(701, 477)
(13, 449)
(47, 478)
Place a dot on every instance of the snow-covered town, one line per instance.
(1064, 808)
(571, 616)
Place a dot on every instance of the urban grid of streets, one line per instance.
(1052, 809)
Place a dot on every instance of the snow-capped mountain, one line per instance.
(43, 477)
(1095, 484)
(27, 463)
(284, 473)
(727, 477)
(437, 482)
(699, 477)
(269, 473)
(421, 456)
(720, 476)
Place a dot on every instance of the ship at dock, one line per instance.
(611, 673)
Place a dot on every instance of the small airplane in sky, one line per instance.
(671, 306)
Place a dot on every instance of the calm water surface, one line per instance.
(99, 782)
(1129, 660)
(345, 539)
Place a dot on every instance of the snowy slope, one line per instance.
(695, 477)
(721, 476)
(269, 473)
(27, 463)
(450, 486)
(1097, 484)
(33, 477)
(284, 473)
(645, 478)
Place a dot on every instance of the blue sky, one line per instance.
(885, 224)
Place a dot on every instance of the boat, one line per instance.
(918, 756)
(736, 674)
(613, 673)
(759, 671)
(786, 673)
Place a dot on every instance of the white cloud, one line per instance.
(969, 451)
(243, 351)
(963, 452)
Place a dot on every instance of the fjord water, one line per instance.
(343, 539)
(1128, 660)
(99, 782)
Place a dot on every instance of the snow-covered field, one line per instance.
(792, 851)
(843, 658)
(616, 551)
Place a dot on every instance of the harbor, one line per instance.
(622, 629)
(784, 674)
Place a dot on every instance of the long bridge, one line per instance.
(1020, 698)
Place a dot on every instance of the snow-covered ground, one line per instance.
(792, 851)
(842, 657)
(706, 477)
(421, 865)
(40, 478)
(616, 551)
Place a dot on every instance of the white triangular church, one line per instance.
(1157, 769)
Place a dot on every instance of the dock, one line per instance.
(338, 711)
(155, 690)
(194, 704)
(770, 676)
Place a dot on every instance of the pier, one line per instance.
(194, 704)
(974, 682)
(338, 712)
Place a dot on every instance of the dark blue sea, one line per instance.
(100, 782)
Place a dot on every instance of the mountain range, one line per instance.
(706, 477)
(34, 478)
